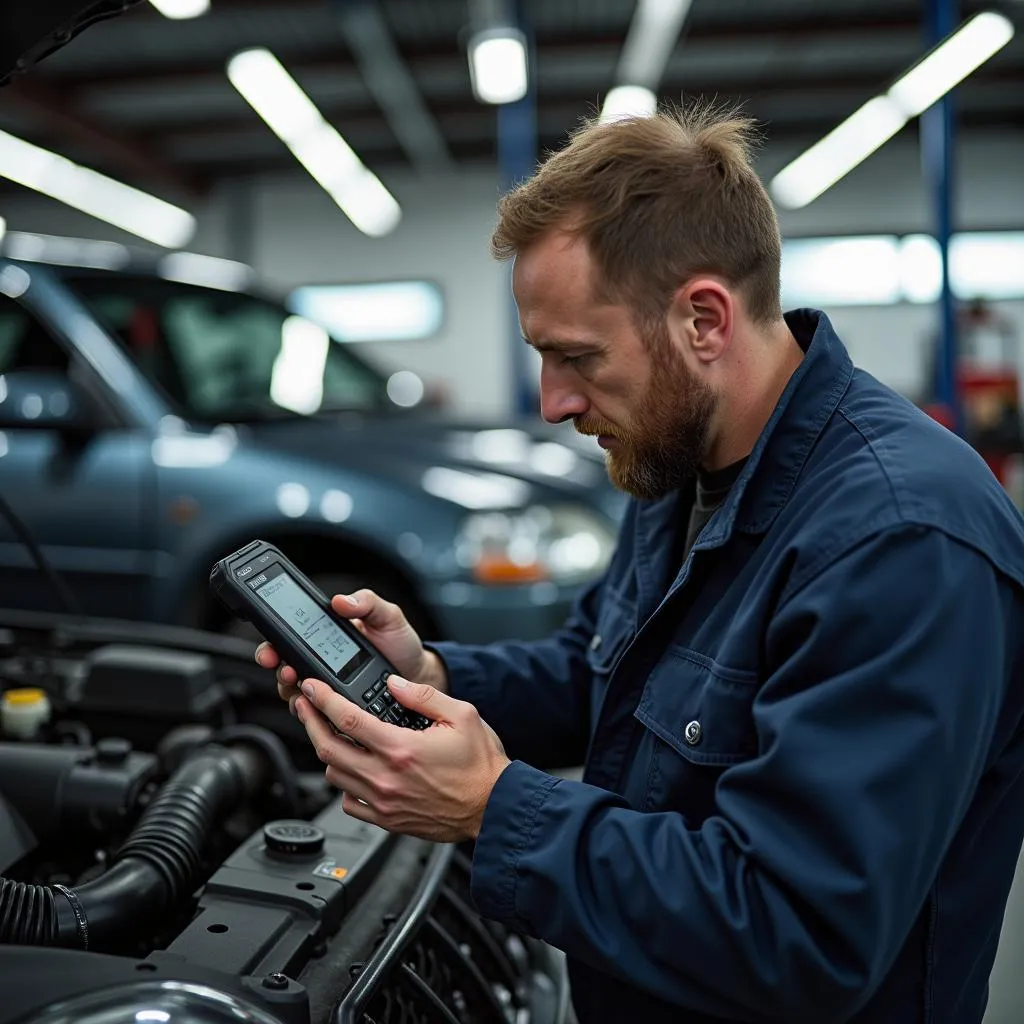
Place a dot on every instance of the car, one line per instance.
(150, 426)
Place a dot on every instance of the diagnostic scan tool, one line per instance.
(260, 585)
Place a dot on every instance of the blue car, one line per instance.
(148, 427)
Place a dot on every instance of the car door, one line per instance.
(78, 487)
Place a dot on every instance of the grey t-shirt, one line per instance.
(712, 490)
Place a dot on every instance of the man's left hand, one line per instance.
(433, 784)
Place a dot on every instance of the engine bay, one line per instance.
(170, 852)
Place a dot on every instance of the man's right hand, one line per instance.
(384, 624)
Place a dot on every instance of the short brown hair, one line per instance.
(658, 199)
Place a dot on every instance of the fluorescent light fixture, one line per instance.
(625, 101)
(66, 252)
(652, 35)
(828, 160)
(951, 62)
(841, 271)
(389, 311)
(297, 379)
(180, 9)
(989, 264)
(293, 117)
(207, 271)
(497, 65)
(853, 141)
(94, 193)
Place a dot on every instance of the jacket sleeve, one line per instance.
(535, 695)
(886, 674)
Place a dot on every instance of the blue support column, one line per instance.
(517, 159)
(938, 155)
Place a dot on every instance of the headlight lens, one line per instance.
(565, 544)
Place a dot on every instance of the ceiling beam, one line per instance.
(51, 113)
(392, 86)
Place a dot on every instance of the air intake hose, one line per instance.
(153, 870)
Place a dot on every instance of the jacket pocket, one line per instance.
(614, 629)
(700, 709)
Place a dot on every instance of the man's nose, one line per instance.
(559, 401)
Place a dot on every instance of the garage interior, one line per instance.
(165, 98)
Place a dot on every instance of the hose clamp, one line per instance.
(81, 922)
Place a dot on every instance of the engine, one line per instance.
(171, 853)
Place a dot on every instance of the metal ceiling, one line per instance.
(146, 99)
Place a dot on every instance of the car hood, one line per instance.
(421, 452)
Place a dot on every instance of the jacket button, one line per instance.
(595, 642)
(693, 733)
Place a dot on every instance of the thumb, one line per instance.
(420, 697)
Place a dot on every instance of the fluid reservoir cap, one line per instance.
(293, 837)
(112, 750)
(23, 711)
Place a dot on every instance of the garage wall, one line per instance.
(290, 231)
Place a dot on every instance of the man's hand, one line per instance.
(433, 784)
(384, 624)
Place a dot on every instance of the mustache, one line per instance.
(592, 428)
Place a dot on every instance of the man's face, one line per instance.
(649, 411)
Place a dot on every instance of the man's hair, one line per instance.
(658, 200)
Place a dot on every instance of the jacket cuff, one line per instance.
(462, 670)
(505, 834)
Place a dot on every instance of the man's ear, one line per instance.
(701, 317)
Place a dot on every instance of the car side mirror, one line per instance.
(41, 400)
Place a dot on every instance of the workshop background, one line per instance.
(905, 221)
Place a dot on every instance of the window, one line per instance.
(884, 269)
(387, 311)
(222, 356)
(25, 344)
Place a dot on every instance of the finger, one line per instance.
(292, 698)
(349, 783)
(427, 700)
(354, 809)
(330, 748)
(287, 676)
(371, 608)
(266, 656)
(349, 718)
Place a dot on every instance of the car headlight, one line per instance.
(565, 544)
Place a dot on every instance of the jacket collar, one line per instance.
(809, 400)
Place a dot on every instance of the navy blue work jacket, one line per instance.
(803, 796)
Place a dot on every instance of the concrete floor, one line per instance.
(1006, 994)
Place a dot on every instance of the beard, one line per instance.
(666, 439)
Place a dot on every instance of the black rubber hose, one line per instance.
(28, 914)
(157, 866)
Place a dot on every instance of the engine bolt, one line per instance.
(277, 980)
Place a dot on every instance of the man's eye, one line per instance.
(576, 361)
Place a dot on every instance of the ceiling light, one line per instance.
(179, 9)
(497, 65)
(626, 101)
(93, 193)
(951, 62)
(652, 35)
(828, 160)
(879, 119)
(293, 117)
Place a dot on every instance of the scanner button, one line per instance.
(376, 708)
(380, 684)
(368, 694)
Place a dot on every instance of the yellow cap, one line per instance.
(24, 697)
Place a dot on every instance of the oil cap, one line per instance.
(293, 838)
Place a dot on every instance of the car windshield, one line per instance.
(229, 356)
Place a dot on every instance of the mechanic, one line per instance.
(798, 688)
